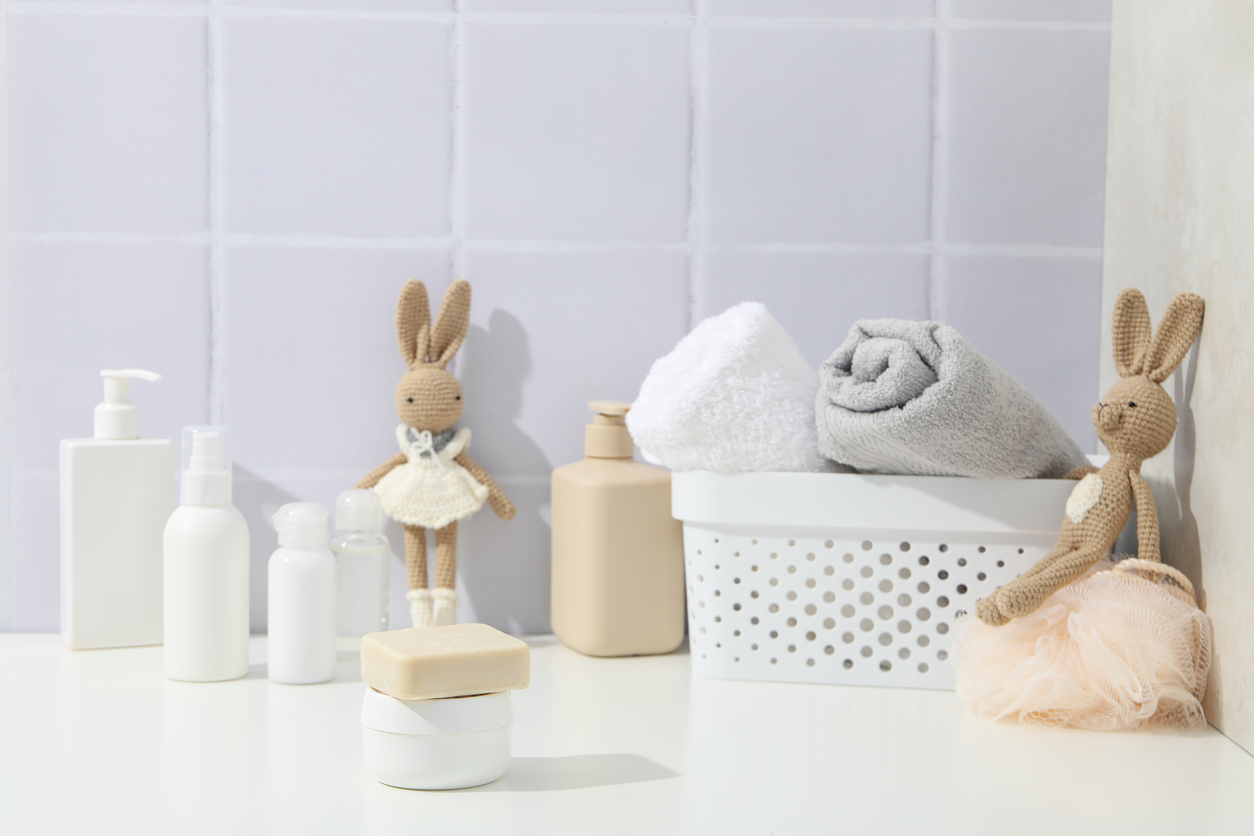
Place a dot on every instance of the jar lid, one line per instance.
(450, 715)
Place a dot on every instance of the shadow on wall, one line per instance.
(504, 566)
(258, 500)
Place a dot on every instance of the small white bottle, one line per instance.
(363, 568)
(117, 491)
(302, 597)
(206, 567)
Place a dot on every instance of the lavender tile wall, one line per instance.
(233, 191)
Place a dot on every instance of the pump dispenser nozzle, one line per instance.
(117, 418)
(206, 466)
(607, 436)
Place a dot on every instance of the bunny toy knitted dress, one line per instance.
(431, 489)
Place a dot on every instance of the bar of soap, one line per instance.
(427, 663)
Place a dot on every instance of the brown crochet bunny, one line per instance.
(432, 483)
(1135, 420)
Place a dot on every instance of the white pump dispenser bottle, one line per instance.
(206, 568)
(301, 610)
(117, 490)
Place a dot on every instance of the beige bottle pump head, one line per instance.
(607, 436)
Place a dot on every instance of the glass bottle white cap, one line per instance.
(358, 510)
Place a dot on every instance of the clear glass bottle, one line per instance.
(363, 570)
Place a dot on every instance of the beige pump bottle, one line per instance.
(618, 555)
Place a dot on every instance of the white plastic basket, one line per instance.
(849, 579)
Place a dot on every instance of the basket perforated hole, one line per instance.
(736, 607)
(885, 612)
(925, 587)
(829, 570)
(717, 619)
(981, 577)
(810, 556)
(792, 542)
(792, 570)
(737, 659)
(702, 631)
(792, 596)
(774, 555)
(943, 547)
(867, 571)
(847, 638)
(962, 589)
(717, 593)
(792, 648)
(886, 586)
(753, 594)
(774, 581)
(981, 550)
(755, 542)
(904, 626)
(829, 597)
(792, 622)
(753, 620)
(962, 561)
(942, 655)
(924, 641)
(775, 634)
(886, 639)
(923, 561)
(847, 664)
(904, 653)
(774, 660)
(867, 545)
(943, 575)
(829, 650)
(942, 628)
(811, 609)
(1020, 551)
(828, 544)
(867, 598)
(923, 667)
(886, 559)
(810, 584)
(809, 663)
(1001, 564)
(866, 652)
(735, 580)
(923, 614)
(753, 568)
(715, 539)
(753, 647)
(811, 636)
(735, 554)
(698, 551)
(847, 610)
(886, 665)
(903, 600)
(701, 604)
(773, 608)
(848, 558)
(867, 625)
(829, 623)
(942, 601)
(700, 578)
(736, 633)
(904, 574)
(718, 644)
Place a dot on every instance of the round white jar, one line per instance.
(443, 744)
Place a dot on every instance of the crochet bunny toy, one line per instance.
(1135, 420)
(432, 483)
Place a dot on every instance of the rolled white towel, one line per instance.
(735, 395)
(916, 398)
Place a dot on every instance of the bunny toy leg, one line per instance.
(444, 596)
(1026, 592)
(416, 567)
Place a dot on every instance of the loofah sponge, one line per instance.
(735, 395)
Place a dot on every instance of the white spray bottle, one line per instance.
(117, 491)
(206, 568)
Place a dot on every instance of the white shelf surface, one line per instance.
(100, 742)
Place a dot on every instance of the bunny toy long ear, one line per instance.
(1131, 332)
(413, 322)
(451, 323)
(1175, 335)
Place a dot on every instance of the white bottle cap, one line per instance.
(358, 510)
(301, 525)
(117, 417)
(206, 466)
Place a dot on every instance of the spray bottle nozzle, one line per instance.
(117, 417)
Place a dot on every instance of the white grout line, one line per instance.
(554, 18)
(838, 247)
(110, 238)
(345, 475)
(940, 183)
(457, 148)
(218, 309)
(698, 98)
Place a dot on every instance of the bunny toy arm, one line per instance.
(496, 497)
(1080, 472)
(372, 478)
(1146, 519)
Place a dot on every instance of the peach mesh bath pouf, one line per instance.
(1124, 647)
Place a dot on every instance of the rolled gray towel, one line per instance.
(916, 398)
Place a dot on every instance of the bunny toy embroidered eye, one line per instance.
(433, 482)
(1135, 420)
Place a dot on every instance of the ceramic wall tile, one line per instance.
(1025, 137)
(34, 542)
(310, 361)
(1039, 319)
(819, 135)
(1085, 11)
(336, 126)
(576, 132)
(817, 296)
(821, 8)
(108, 123)
(77, 308)
(615, 7)
(551, 332)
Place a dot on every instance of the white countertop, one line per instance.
(99, 742)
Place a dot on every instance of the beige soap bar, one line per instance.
(426, 663)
